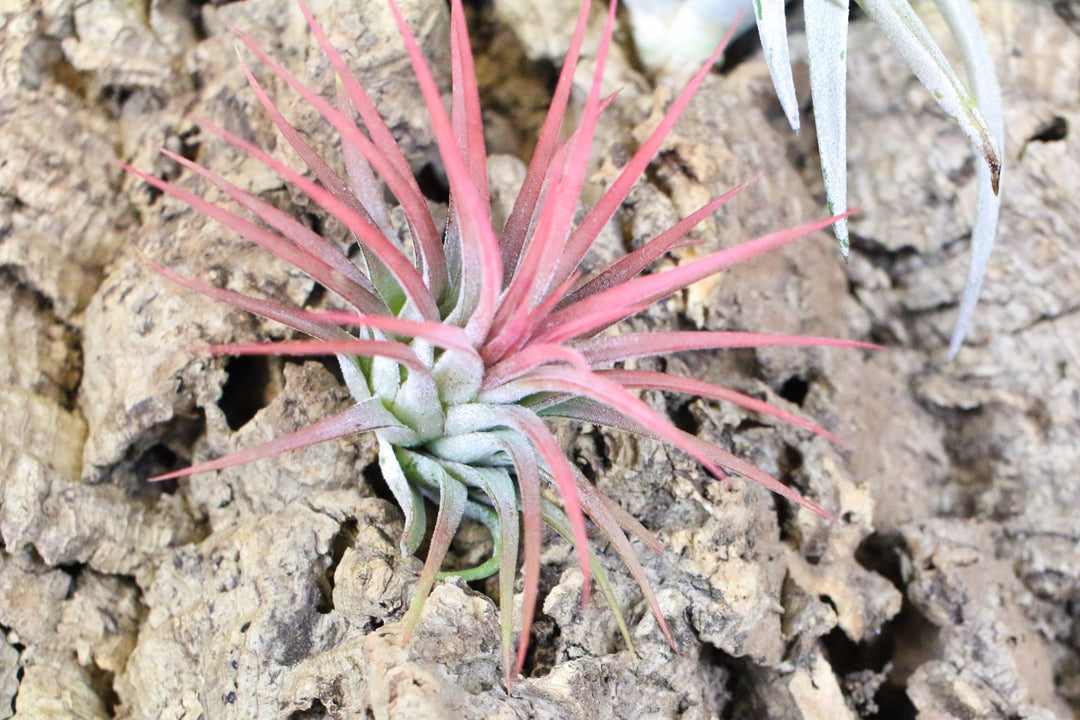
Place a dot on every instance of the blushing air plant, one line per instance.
(461, 344)
(978, 112)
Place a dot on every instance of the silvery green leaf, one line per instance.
(381, 277)
(980, 69)
(384, 376)
(407, 497)
(498, 486)
(458, 375)
(772, 29)
(473, 448)
(354, 378)
(902, 26)
(470, 418)
(826, 37)
(417, 404)
(452, 500)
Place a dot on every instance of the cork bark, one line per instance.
(275, 590)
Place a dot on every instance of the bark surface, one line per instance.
(274, 590)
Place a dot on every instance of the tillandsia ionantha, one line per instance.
(978, 111)
(461, 344)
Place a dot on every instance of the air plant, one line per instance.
(978, 112)
(461, 344)
(678, 33)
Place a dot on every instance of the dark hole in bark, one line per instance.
(793, 459)
(547, 70)
(903, 643)
(373, 479)
(73, 571)
(20, 673)
(316, 711)
(247, 390)
(794, 390)
(1067, 10)
(194, 15)
(77, 81)
(1051, 131)
(119, 100)
(739, 50)
(785, 516)
(864, 670)
(102, 683)
(190, 144)
(880, 553)
(343, 540)
(471, 545)
(543, 643)
(683, 418)
(158, 460)
(315, 297)
(433, 184)
(790, 466)
(542, 654)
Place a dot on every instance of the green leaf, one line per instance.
(452, 499)
(407, 497)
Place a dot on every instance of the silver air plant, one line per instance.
(660, 31)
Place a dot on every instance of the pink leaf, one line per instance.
(398, 352)
(547, 246)
(517, 225)
(747, 470)
(312, 159)
(563, 378)
(600, 414)
(648, 380)
(630, 265)
(273, 243)
(447, 336)
(610, 306)
(526, 422)
(467, 120)
(630, 524)
(404, 271)
(433, 260)
(593, 502)
(302, 236)
(586, 233)
(402, 268)
(283, 314)
(477, 236)
(362, 417)
(613, 348)
(529, 358)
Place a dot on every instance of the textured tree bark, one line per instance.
(273, 590)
